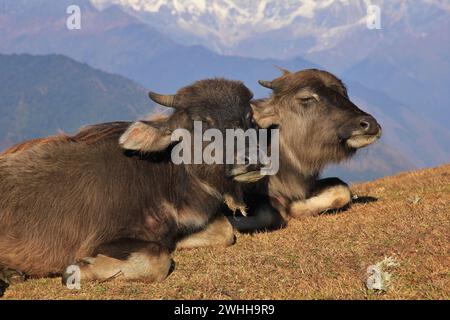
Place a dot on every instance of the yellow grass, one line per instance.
(316, 258)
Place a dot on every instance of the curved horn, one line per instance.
(266, 84)
(284, 71)
(163, 99)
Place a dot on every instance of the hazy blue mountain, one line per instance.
(408, 58)
(366, 164)
(116, 42)
(41, 95)
(283, 28)
(418, 78)
(110, 40)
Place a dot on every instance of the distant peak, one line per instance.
(224, 24)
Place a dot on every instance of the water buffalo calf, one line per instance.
(319, 125)
(119, 209)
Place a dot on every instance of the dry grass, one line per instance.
(317, 258)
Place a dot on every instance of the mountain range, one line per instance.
(408, 58)
(43, 95)
(123, 39)
(289, 28)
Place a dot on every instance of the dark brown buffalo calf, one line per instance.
(119, 210)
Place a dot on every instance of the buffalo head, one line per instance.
(318, 122)
(216, 104)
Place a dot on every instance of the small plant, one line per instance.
(378, 277)
(414, 199)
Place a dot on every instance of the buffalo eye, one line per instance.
(306, 99)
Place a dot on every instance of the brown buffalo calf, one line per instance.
(119, 210)
(319, 125)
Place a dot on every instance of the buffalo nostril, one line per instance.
(365, 125)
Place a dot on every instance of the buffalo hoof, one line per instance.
(16, 277)
(234, 240)
(172, 267)
(11, 276)
(3, 286)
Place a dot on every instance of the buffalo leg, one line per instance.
(218, 233)
(8, 277)
(126, 258)
(11, 276)
(262, 216)
(328, 194)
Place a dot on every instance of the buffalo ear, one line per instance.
(146, 137)
(265, 115)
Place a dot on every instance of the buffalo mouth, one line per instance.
(362, 140)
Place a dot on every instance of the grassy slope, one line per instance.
(315, 258)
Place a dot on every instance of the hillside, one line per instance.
(41, 95)
(404, 217)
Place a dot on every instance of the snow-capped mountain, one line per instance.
(230, 21)
(295, 26)
(408, 58)
(400, 74)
